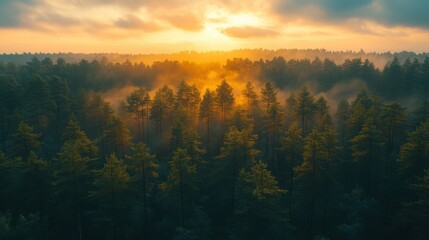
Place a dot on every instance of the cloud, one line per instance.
(11, 12)
(56, 18)
(133, 22)
(190, 22)
(411, 13)
(249, 32)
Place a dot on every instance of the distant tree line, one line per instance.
(181, 162)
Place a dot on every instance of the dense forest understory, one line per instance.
(268, 149)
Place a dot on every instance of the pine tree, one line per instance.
(189, 97)
(111, 182)
(117, 135)
(238, 151)
(251, 96)
(414, 213)
(414, 153)
(273, 121)
(314, 178)
(207, 112)
(143, 170)
(37, 174)
(185, 137)
(72, 174)
(305, 109)
(421, 114)
(291, 105)
(259, 213)
(342, 115)
(62, 99)
(365, 147)
(39, 103)
(180, 178)
(136, 107)
(162, 107)
(25, 140)
(224, 100)
(393, 118)
(323, 119)
(292, 146)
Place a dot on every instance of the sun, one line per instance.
(217, 20)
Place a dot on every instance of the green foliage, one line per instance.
(188, 97)
(25, 140)
(374, 188)
(137, 106)
(359, 213)
(28, 227)
(414, 153)
(224, 99)
(181, 172)
(112, 179)
(74, 163)
(305, 109)
(207, 107)
(260, 182)
(239, 148)
(162, 106)
(259, 200)
(184, 137)
(415, 211)
(251, 96)
(118, 137)
(111, 182)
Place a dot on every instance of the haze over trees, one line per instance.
(249, 149)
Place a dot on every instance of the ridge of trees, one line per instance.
(180, 162)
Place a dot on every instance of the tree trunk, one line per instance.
(182, 217)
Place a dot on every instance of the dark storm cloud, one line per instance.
(411, 13)
(11, 12)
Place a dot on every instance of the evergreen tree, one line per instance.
(111, 182)
(292, 146)
(185, 137)
(25, 140)
(323, 119)
(421, 114)
(238, 151)
(365, 148)
(162, 107)
(117, 135)
(291, 105)
(207, 112)
(188, 97)
(414, 153)
(252, 101)
(62, 99)
(180, 178)
(342, 115)
(143, 170)
(39, 103)
(273, 121)
(258, 212)
(73, 176)
(414, 213)
(136, 107)
(305, 109)
(224, 100)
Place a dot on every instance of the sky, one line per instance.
(165, 26)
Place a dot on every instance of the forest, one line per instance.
(246, 149)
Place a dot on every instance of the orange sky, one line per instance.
(162, 26)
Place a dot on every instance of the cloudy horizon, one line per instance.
(132, 26)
